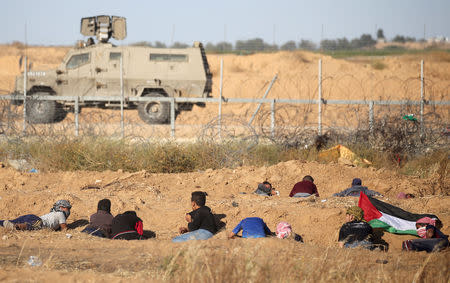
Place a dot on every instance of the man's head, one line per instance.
(63, 206)
(308, 178)
(354, 213)
(105, 205)
(198, 198)
(356, 182)
(267, 184)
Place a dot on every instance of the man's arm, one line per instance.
(62, 221)
(315, 190)
(196, 221)
(235, 230)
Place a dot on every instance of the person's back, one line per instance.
(305, 188)
(356, 189)
(355, 232)
(252, 227)
(100, 223)
(127, 226)
(202, 218)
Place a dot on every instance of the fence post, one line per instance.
(172, 117)
(219, 123)
(122, 130)
(421, 97)
(371, 117)
(319, 129)
(77, 110)
(25, 79)
(272, 118)
(264, 96)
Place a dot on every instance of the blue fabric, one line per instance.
(252, 227)
(33, 222)
(94, 232)
(200, 234)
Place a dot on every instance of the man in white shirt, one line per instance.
(54, 220)
(57, 217)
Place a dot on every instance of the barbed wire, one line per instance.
(294, 125)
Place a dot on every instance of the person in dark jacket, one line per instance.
(265, 189)
(101, 222)
(356, 232)
(127, 226)
(201, 221)
(356, 189)
(305, 188)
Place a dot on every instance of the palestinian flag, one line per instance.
(391, 218)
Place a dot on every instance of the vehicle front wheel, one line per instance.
(43, 111)
(154, 112)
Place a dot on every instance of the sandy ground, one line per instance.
(162, 199)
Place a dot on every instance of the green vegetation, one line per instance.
(377, 65)
(105, 154)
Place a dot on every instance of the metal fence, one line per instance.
(272, 118)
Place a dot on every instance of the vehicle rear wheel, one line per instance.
(43, 111)
(154, 112)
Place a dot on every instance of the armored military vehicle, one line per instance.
(92, 69)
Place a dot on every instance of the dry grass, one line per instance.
(216, 260)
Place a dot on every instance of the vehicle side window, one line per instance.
(77, 60)
(115, 56)
(168, 57)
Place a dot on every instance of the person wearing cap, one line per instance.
(356, 189)
(54, 220)
(305, 188)
(356, 232)
(100, 223)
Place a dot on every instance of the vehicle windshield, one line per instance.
(77, 60)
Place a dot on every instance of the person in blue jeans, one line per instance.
(252, 227)
(201, 221)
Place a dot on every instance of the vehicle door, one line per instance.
(107, 73)
(77, 78)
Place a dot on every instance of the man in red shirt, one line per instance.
(305, 188)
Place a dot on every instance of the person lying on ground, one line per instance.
(54, 220)
(432, 239)
(100, 223)
(265, 189)
(284, 231)
(356, 232)
(355, 189)
(251, 227)
(127, 226)
(305, 188)
(201, 221)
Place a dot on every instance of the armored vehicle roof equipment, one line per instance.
(104, 27)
